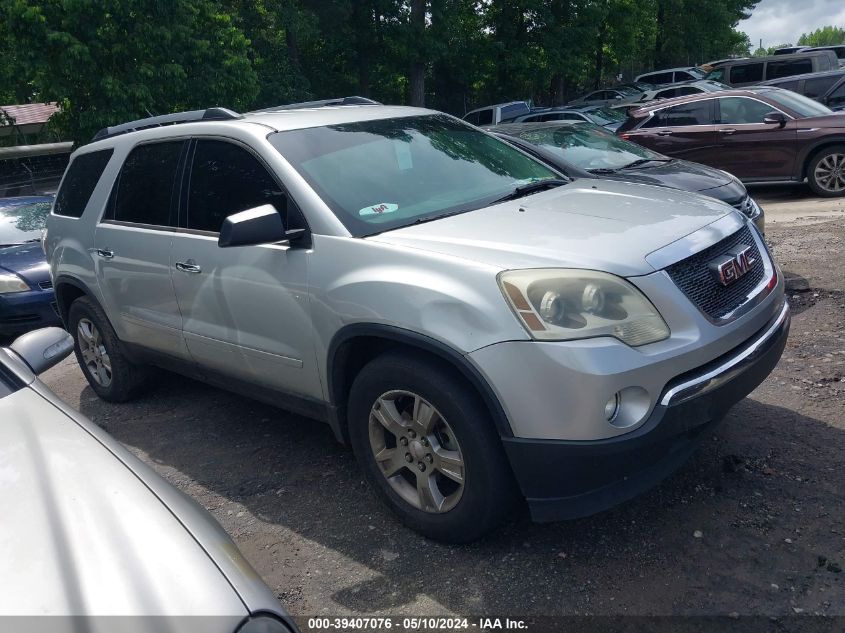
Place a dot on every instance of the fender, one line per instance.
(336, 364)
(804, 154)
(76, 283)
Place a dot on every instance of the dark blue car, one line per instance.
(27, 301)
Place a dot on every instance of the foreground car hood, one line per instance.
(595, 224)
(27, 260)
(82, 535)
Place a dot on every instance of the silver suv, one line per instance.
(479, 328)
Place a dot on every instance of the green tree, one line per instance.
(108, 61)
(824, 36)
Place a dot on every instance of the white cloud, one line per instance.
(783, 21)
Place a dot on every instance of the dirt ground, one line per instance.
(754, 524)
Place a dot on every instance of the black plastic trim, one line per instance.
(335, 367)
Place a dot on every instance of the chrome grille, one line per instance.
(694, 277)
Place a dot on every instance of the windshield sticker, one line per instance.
(379, 209)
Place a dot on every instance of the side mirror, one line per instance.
(775, 118)
(44, 348)
(259, 225)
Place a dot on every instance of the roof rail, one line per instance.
(209, 114)
(339, 101)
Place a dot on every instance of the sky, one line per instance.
(783, 21)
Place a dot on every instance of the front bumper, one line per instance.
(24, 311)
(567, 479)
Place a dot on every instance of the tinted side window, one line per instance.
(789, 85)
(739, 110)
(837, 97)
(144, 191)
(658, 119)
(788, 68)
(667, 94)
(472, 118)
(682, 75)
(687, 90)
(746, 73)
(815, 88)
(81, 178)
(226, 179)
(696, 113)
(485, 117)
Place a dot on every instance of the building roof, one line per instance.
(29, 113)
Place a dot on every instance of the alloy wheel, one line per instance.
(829, 173)
(417, 451)
(94, 353)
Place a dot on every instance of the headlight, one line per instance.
(754, 209)
(557, 304)
(10, 283)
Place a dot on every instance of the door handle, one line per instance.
(106, 253)
(664, 132)
(189, 266)
(728, 130)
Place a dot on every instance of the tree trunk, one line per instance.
(660, 38)
(416, 76)
(600, 54)
(558, 89)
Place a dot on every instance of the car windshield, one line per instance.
(803, 106)
(22, 222)
(697, 72)
(716, 75)
(603, 116)
(588, 147)
(385, 174)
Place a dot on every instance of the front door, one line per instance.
(246, 311)
(751, 149)
(132, 249)
(683, 131)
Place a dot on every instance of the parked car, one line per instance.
(606, 96)
(827, 87)
(790, 50)
(752, 71)
(26, 291)
(89, 530)
(681, 89)
(760, 134)
(606, 117)
(477, 326)
(839, 50)
(603, 155)
(672, 75)
(490, 115)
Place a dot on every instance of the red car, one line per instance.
(762, 134)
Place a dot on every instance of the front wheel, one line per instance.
(826, 172)
(428, 447)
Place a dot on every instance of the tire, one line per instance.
(460, 432)
(109, 372)
(826, 172)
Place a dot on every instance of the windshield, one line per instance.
(603, 116)
(716, 75)
(22, 222)
(384, 174)
(588, 147)
(801, 105)
(697, 72)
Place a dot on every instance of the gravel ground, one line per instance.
(754, 524)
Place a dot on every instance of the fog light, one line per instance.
(611, 409)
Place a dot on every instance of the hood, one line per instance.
(828, 120)
(596, 224)
(82, 535)
(27, 261)
(682, 174)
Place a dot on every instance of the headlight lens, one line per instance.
(562, 304)
(754, 209)
(10, 283)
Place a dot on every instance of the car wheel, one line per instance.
(100, 353)
(427, 445)
(826, 172)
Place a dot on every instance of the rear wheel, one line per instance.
(826, 172)
(428, 447)
(100, 353)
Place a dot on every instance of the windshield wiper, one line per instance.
(643, 161)
(531, 187)
(602, 170)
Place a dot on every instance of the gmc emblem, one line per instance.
(732, 265)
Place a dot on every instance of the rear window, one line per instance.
(788, 68)
(485, 117)
(658, 78)
(745, 73)
(82, 176)
(815, 88)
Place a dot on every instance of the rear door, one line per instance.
(751, 149)
(132, 249)
(684, 131)
(246, 309)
